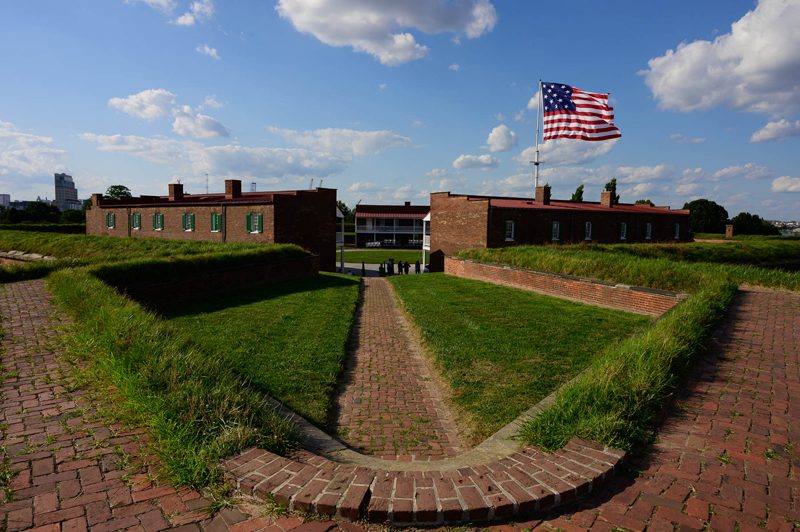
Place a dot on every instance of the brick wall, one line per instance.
(590, 291)
(205, 285)
(456, 223)
(533, 226)
(305, 218)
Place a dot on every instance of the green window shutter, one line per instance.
(192, 222)
(161, 221)
(213, 222)
(249, 220)
(260, 223)
(516, 231)
(552, 234)
(504, 227)
(586, 230)
(106, 220)
(183, 221)
(154, 221)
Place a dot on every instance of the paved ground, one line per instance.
(725, 458)
(389, 405)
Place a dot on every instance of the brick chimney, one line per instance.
(176, 192)
(96, 198)
(606, 198)
(233, 188)
(408, 204)
(542, 195)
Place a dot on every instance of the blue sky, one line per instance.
(388, 101)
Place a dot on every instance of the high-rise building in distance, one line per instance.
(66, 193)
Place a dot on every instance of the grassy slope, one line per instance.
(197, 406)
(502, 350)
(289, 339)
(616, 403)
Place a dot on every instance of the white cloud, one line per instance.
(519, 116)
(500, 117)
(639, 190)
(228, 161)
(687, 189)
(749, 171)
(153, 150)
(693, 176)
(149, 104)
(23, 155)
(781, 130)
(199, 11)
(476, 162)
(332, 140)
(533, 103)
(207, 50)
(438, 172)
(447, 184)
(165, 6)
(754, 68)
(376, 27)
(737, 198)
(786, 184)
(362, 187)
(210, 101)
(683, 139)
(501, 139)
(382, 87)
(417, 123)
(455, 66)
(197, 126)
(565, 152)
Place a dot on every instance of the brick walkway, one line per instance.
(725, 457)
(389, 405)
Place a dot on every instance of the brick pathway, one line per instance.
(389, 405)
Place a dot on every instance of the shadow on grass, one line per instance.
(254, 295)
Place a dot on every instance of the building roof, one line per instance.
(508, 203)
(392, 211)
(194, 199)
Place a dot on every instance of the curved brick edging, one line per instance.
(635, 299)
(522, 482)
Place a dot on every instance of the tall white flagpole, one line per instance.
(536, 159)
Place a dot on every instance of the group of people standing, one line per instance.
(389, 268)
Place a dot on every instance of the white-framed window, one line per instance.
(555, 231)
(588, 231)
(136, 221)
(623, 231)
(648, 231)
(111, 220)
(255, 222)
(187, 222)
(158, 221)
(216, 222)
(677, 230)
(510, 230)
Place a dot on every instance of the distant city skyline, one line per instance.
(388, 102)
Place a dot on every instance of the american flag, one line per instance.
(571, 113)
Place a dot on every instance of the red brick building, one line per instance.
(303, 217)
(464, 222)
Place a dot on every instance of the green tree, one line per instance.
(745, 223)
(645, 202)
(349, 214)
(115, 192)
(73, 216)
(706, 216)
(87, 204)
(578, 194)
(611, 186)
(39, 211)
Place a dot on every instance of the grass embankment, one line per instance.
(143, 258)
(381, 255)
(721, 236)
(616, 403)
(198, 407)
(289, 339)
(502, 350)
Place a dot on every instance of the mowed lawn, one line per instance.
(382, 255)
(502, 350)
(288, 339)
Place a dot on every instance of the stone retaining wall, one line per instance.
(220, 282)
(636, 299)
(523, 482)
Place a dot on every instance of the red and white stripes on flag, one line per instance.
(571, 113)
